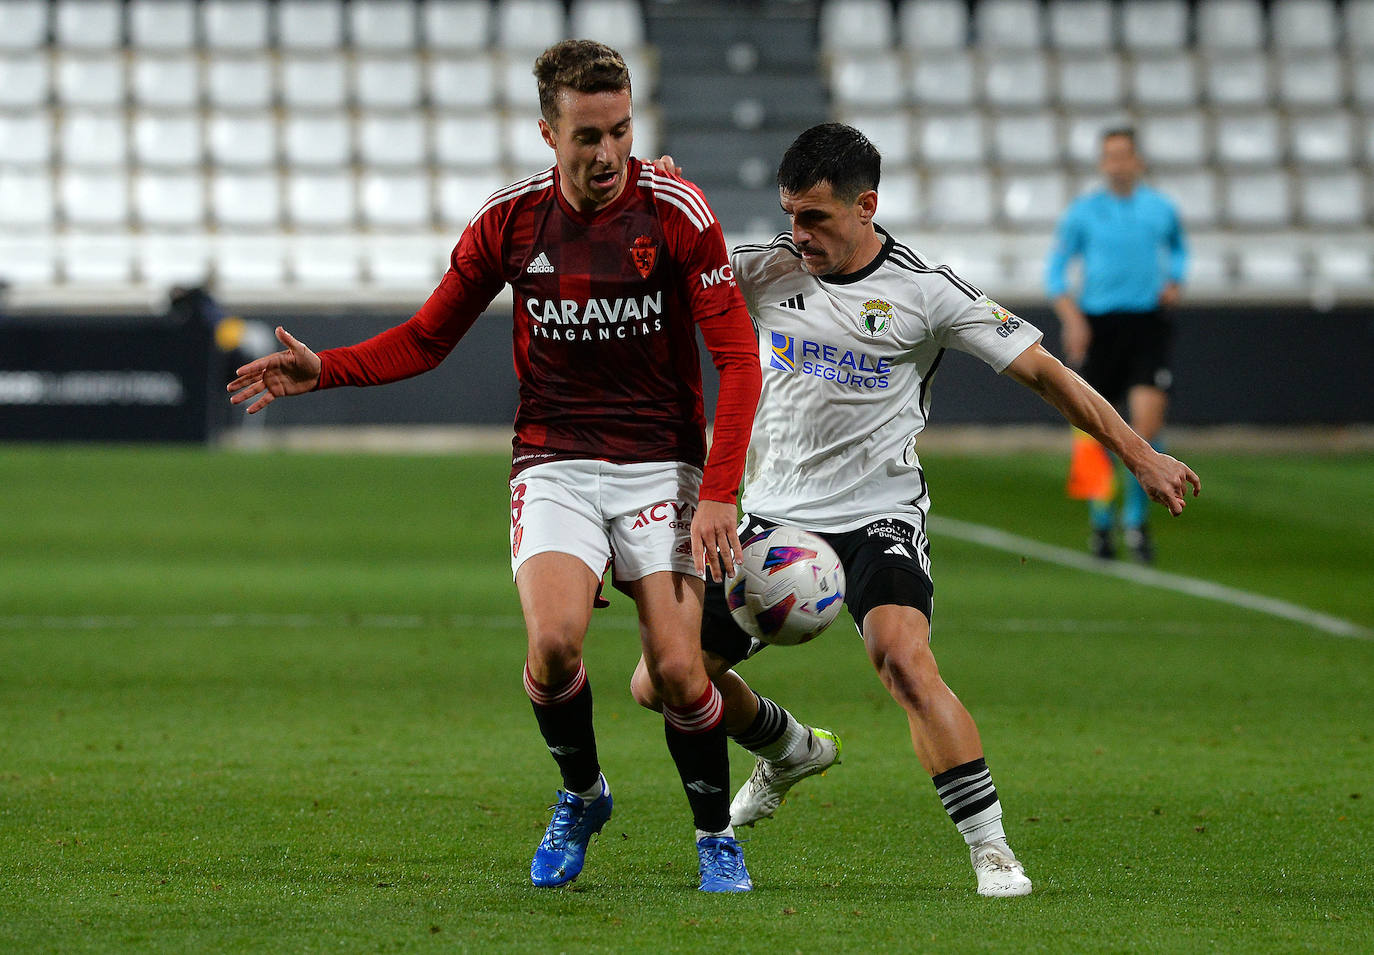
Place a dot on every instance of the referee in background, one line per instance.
(1118, 332)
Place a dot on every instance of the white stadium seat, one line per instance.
(1311, 79)
(242, 140)
(1027, 139)
(167, 139)
(1361, 82)
(1343, 265)
(1082, 135)
(851, 25)
(955, 138)
(1332, 199)
(92, 138)
(529, 25)
(1002, 24)
(1092, 81)
(405, 262)
(162, 24)
(1194, 193)
(331, 261)
(617, 23)
(326, 199)
(253, 260)
(1230, 25)
(932, 24)
(387, 82)
(239, 81)
(310, 24)
(523, 146)
(235, 24)
(1165, 80)
(472, 141)
(396, 200)
(382, 25)
(517, 89)
(1322, 138)
(1086, 25)
(1154, 25)
(26, 199)
(899, 198)
(97, 258)
(945, 78)
(175, 258)
(1305, 24)
(1238, 80)
(317, 139)
(1016, 79)
(960, 199)
(1263, 265)
(94, 198)
(457, 24)
(245, 200)
(1178, 139)
(462, 82)
(461, 194)
(1258, 199)
(88, 24)
(1248, 139)
(1033, 200)
(90, 79)
(867, 79)
(26, 139)
(25, 80)
(392, 139)
(314, 82)
(25, 25)
(165, 80)
(889, 130)
(1359, 24)
(170, 199)
(27, 259)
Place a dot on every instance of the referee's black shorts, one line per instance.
(885, 562)
(1129, 349)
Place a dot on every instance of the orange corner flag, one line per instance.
(1091, 474)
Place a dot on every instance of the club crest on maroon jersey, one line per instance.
(643, 252)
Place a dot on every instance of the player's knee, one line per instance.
(674, 678)
(554, 655)
(642, 689)
(910, 675)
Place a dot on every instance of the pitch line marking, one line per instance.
(1193, 586)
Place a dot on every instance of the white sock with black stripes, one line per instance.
(971, 800)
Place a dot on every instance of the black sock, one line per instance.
(564, 713)
(697, 743)
(971, 800)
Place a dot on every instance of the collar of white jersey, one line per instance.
(863, 273)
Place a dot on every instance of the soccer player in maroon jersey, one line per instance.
(613, 268)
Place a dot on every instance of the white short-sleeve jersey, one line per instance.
(847, 368)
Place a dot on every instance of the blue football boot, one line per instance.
(722, 865)
(560, 856)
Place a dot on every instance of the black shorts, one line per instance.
(885, 562)
(1129, 349)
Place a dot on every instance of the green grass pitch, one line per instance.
(272, 702)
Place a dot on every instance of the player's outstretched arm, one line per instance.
(293, 371)
(1165, 479)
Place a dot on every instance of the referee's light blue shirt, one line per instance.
(1131, 248)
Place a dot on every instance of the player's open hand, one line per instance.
(715, 542)
(291, 372)
(1166, 481)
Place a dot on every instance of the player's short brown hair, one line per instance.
(583, 66)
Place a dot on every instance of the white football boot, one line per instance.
(999, 874)
(761, 795)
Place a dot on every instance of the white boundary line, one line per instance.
(1193, 586)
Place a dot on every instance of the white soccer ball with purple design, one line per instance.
(789, 587)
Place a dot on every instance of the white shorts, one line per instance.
(638, 515)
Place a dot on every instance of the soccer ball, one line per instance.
(789, 587)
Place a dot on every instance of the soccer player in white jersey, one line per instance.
(851, 329)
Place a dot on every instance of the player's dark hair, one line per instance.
(1127, 131)
(583, 66)
(834, 153)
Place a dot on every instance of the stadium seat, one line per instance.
(944, 78)
(25, 80)
(869, 79)
(516, 86)
(26, 25)
(1332, 198)
(245, 200)
(1324, 138)
(457, 24)
(165, 80)
(396, 200)
(977, 262)
(1007, 24)
(1258, 199)
(386, 82)
(392, 139)
(1342, 265)
(97, 258)
(899, 198)
(26, 199)
(169, 199)
(1359, 24)
(1264, 265)
(1174, 139)
(1164, 81)
(235, 24)
(1230, 25)
(1033, 200)
(1237, 80)
(1016, 79)
(932, 25)
(1082, 25)
(27, 259)
(90, 79)
(1091, 81)
(249, 260)
(93, 138)
(241, 140)
(239, 81)
(1155, 26)
(461, 194)
(1311, 79)
(847, 26)
(618, 23)
(1305, 25)
(1194, 193)
(956, 138)
(461, 82)
(94, 197)
(313, 82)
(317, 139)
(1361, 82)
(26, 139)
(523, 147)
(468, 141)
(162, 24)
(88, 24)
(310, 24)
(382, 25)
(167, 139)
(405, 262)
(1210, 267)
(1248, 139)
(1083, 134)
(889, 130)
(960, 199)
(1027, 139)
(329, 261)
(529, 26)
(167, 259)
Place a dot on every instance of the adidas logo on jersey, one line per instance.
(540, 265)
(797, 301)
